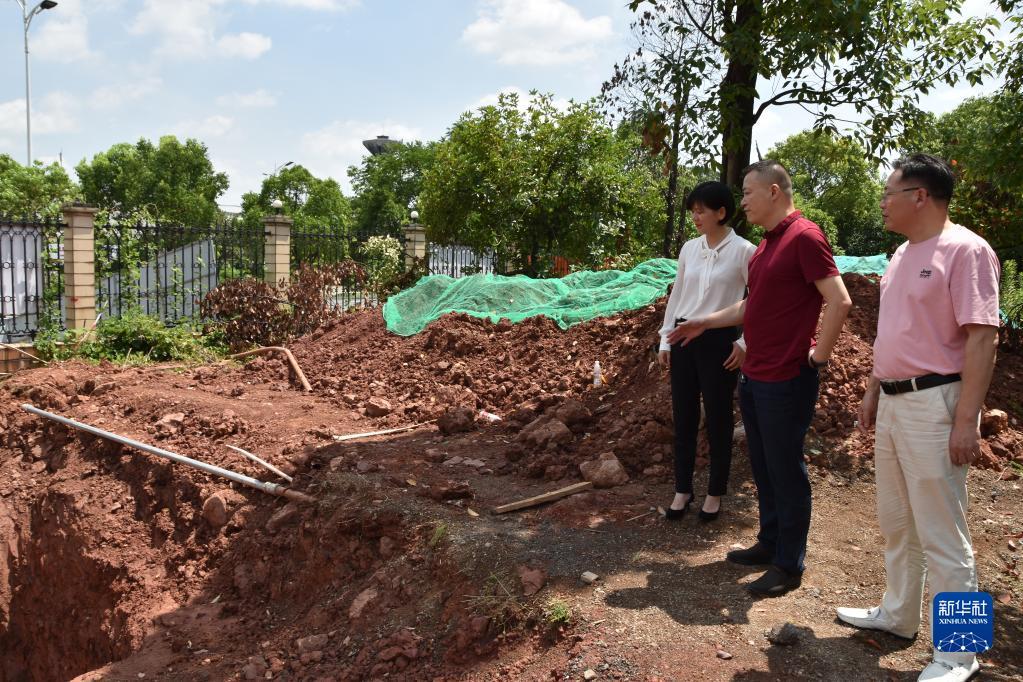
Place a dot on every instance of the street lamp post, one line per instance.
(26, 17)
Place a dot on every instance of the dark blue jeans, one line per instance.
(776, 415)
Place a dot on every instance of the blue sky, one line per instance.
(263, 82)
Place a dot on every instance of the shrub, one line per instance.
(249, 311)
(131, 336)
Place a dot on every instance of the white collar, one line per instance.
(728, 238)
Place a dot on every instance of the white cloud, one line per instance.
(328, 5)
(330, 150)
(53, 113)
(244, 45)
(185, 29)
(117, 95)
(257, 99)
(536, 32)
(211, 126)
(62, 34)
(525, 99)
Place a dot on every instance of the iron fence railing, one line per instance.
(31, 277)
(455, 260)
(165, 270)
(383, 262)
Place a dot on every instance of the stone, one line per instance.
(170, 424)
(573, 413)
(254, 669)
(215, 511)
(390, 653)
(386, 547)
(378, 407)
(589, 578)
(554, 431)
(312, 642)
(589, 674)
(605, 471)
(993, 422)
(434, 455)
(785, 634)
(282, 517)
(361, 601)
(457, 420)
(533, 579)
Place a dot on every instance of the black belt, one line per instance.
(918, 383)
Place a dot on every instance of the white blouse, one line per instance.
(708, 280)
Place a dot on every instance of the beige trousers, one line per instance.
(921, 504)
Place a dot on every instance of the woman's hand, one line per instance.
(664, 359)
(735, 360)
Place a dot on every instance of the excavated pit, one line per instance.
(60, 612)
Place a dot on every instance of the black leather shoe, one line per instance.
(676, 514)
(774, 583)
(707, 517)
(757, 555)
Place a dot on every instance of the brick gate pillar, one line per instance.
(79, 265)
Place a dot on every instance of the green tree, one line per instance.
(313, 203)
(171, 182)
(540, 183)
(873, 56)
(653, 88)
(837, 174)
(981, 139)
(35, 190)
(1011, 60)
(386, 187)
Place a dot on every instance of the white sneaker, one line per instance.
(870, 619)
(942, 671)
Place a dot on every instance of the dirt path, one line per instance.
(115, 565)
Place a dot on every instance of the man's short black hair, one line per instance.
(930, 172)
(774, 171)
(713, 195)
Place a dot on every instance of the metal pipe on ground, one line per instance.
(266, 487)
(287, 353)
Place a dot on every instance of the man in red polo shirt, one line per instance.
(791, 274)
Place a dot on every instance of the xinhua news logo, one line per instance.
(963, 622)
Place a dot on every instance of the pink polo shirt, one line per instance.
(929, 291)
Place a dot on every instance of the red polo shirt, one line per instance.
(784, 305)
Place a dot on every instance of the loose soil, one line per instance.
(119, 565)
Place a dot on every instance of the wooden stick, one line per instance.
(353, 436)
(29, 355)
(257, 460)
(641, 515)
(546, 497)
(88, 331)
(291, 359)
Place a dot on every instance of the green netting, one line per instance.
(572, 299)
(576, 298)
(862, 265)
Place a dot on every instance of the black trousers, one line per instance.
(698, 369)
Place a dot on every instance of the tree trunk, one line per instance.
(739, 92)
(672, 193)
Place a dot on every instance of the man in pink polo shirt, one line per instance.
(937, 331)
(791, 274)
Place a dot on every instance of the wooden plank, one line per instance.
(354, 436)
(546, 497)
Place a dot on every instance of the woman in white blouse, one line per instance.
(712, 274)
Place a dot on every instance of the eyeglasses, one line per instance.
(889, 195)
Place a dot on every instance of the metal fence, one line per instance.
(322, 246)
(165, 270)
(455, 260)
(31, 277)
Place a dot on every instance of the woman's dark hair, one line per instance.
(713, 195)
(930, 172)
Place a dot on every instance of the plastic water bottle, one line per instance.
(598, 379)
